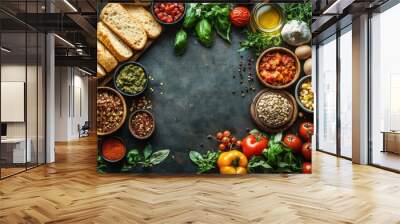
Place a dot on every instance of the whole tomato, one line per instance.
(240, 16)
(306, 151)
(306, 130)
(293, 142)
(307, 168)
(254, 145)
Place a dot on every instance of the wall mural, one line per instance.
(206, 88)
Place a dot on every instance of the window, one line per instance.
(345, 42)
(385, 88)
(326, 99)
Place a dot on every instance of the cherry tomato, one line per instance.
(233, 139)
(307, 168)
(238, 143)
(225, 140)
(306, 130)
(219, 135)
(227, 133)
(292, 142)
(221, 147)
(306, 151)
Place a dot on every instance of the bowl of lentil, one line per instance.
(113, 149)
(111, 110)
(274, 110)
(141, 124)
(304, 94)
(131, 78)
(278, 68)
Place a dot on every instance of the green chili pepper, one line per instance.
(180, 42)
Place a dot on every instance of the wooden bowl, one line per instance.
(115, 92)
(131, 128)
(283, 50)
(261, 125)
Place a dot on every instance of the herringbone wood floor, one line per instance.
(70, 191)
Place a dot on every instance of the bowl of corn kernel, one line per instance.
(304, 94)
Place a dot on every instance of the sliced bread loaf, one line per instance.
(105, 58)
(139, 13)
(117, 18)
(100, 71)
(113, 43)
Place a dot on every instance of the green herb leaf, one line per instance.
(159, 156)
(195, 157)
(133, 157)
(258, 42)
(147, 151)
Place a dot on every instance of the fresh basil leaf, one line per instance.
(278, 137)
(147, 151)
(133, 157)
(159, 156)
(195, 157)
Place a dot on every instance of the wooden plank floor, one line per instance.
(70, 191)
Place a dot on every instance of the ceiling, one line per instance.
(72, 20)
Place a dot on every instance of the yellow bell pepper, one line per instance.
(232, 162)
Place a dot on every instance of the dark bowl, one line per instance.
(113, 138)
(297, 93)
(131, 128)
(164, 23)
(119, 68)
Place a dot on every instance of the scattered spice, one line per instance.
(141, 103)
(142, 124)
(113, 150)
(110, 111)
(274, 109)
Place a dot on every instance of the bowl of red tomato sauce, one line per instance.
(168, 13)
(113, 150)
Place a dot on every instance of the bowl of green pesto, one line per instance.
(131, 78)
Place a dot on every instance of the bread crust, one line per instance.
(117, 18)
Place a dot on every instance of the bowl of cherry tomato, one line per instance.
(168, 13)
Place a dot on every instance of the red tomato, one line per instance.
(306, 151)
(306, 130)
(254, 145)
(307, 168)
(240, 16)
(292, 142)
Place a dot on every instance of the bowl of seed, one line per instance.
(274, 110)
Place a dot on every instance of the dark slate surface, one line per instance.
(197, 98)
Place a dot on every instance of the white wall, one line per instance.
(71, 96)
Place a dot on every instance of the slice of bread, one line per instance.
(117, 18)
(105, 58)
(113, 43)
(139, 13)
(100, 71)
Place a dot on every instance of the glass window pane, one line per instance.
(327, 95)
(385, 84)
(13, 86)
(346, 93)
